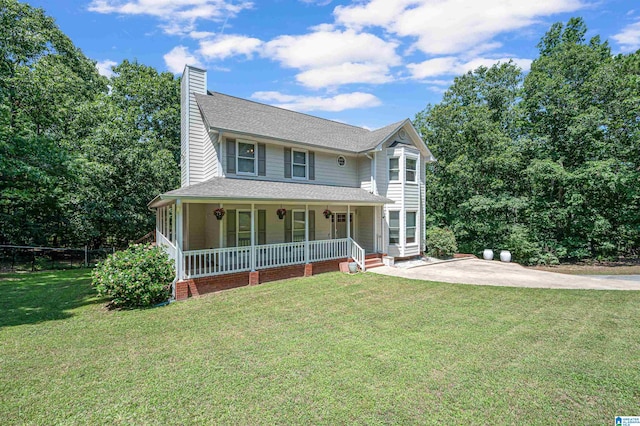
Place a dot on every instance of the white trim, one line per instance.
(255, 157)
(388, 221)
(399, 158)
(293, 223)
(409, 156)
(238, 211)
(306, 163)
(415, 232)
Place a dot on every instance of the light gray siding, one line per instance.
(193, 134)
(196, 219)
(364, 173)
(327, 170)
(365, 230)
(209, 157)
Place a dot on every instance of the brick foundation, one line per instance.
(199, 286)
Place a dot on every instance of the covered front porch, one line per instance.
(207, 236)
(221, 238)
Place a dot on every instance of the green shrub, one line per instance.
(523, 249)
(136, 277)
(441, 242)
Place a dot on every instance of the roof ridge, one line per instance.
(292, 111)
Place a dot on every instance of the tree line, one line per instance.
(544, 164)
(81, 155)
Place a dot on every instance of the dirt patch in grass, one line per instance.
(621, 267)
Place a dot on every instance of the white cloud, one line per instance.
(629, 37)
(229, 45)
(104, 67)
(451, 65)
(178, 57)
(345, 73)
(450, 26)
(177, 16)
(318, 103)
(332, 57)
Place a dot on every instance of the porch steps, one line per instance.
(373, 260)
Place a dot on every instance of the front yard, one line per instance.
(365, 349)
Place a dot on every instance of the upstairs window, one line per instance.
(394, 169)
(394, 227)
(299, 164)
(246, 158)
(410, 169)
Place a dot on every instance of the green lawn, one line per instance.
(364, 349)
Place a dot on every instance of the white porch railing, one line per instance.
(272, 255)
(328, 249)
(168, 246)
(208, 262)
(357, 253)
(202, 263)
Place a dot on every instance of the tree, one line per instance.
(43, 81)
(473, 187)
(131, 155)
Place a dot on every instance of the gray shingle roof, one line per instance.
(220, 188)
(228, 113)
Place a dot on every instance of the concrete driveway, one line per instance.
(491, 272)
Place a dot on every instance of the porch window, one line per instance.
(246, 158)
(410, 227)
(298, 226)
(410, 169)
(394, 227)
(299, 164)
(244, 228)
(394, 169)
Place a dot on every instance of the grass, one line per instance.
(601, 268)
(363, 349)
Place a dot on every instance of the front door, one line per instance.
(339, 225)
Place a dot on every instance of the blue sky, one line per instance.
(366, 62)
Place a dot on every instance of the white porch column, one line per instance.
(348, 221)
(306, 233)
(221, 231)
(173, 222)
(253, 238)
(177, 224)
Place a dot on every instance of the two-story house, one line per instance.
(269, 193)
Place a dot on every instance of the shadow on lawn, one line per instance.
(43, 296)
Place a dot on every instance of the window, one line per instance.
(341, 160)
(394, 169)
(299, 164)
(244, 228)
(410, 169)
(394, 227)
(298, 226)
(246, 158)
(410, 227)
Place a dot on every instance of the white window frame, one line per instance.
(415, 175)
(306, 164)
(399, 242)
(255, 157)
(238, 212)
(406, 227)
(397, 157)
(293, 225)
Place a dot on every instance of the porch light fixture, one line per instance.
(327, 213)
(281, 213)
(219, 213)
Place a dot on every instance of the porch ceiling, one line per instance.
(226, 189)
